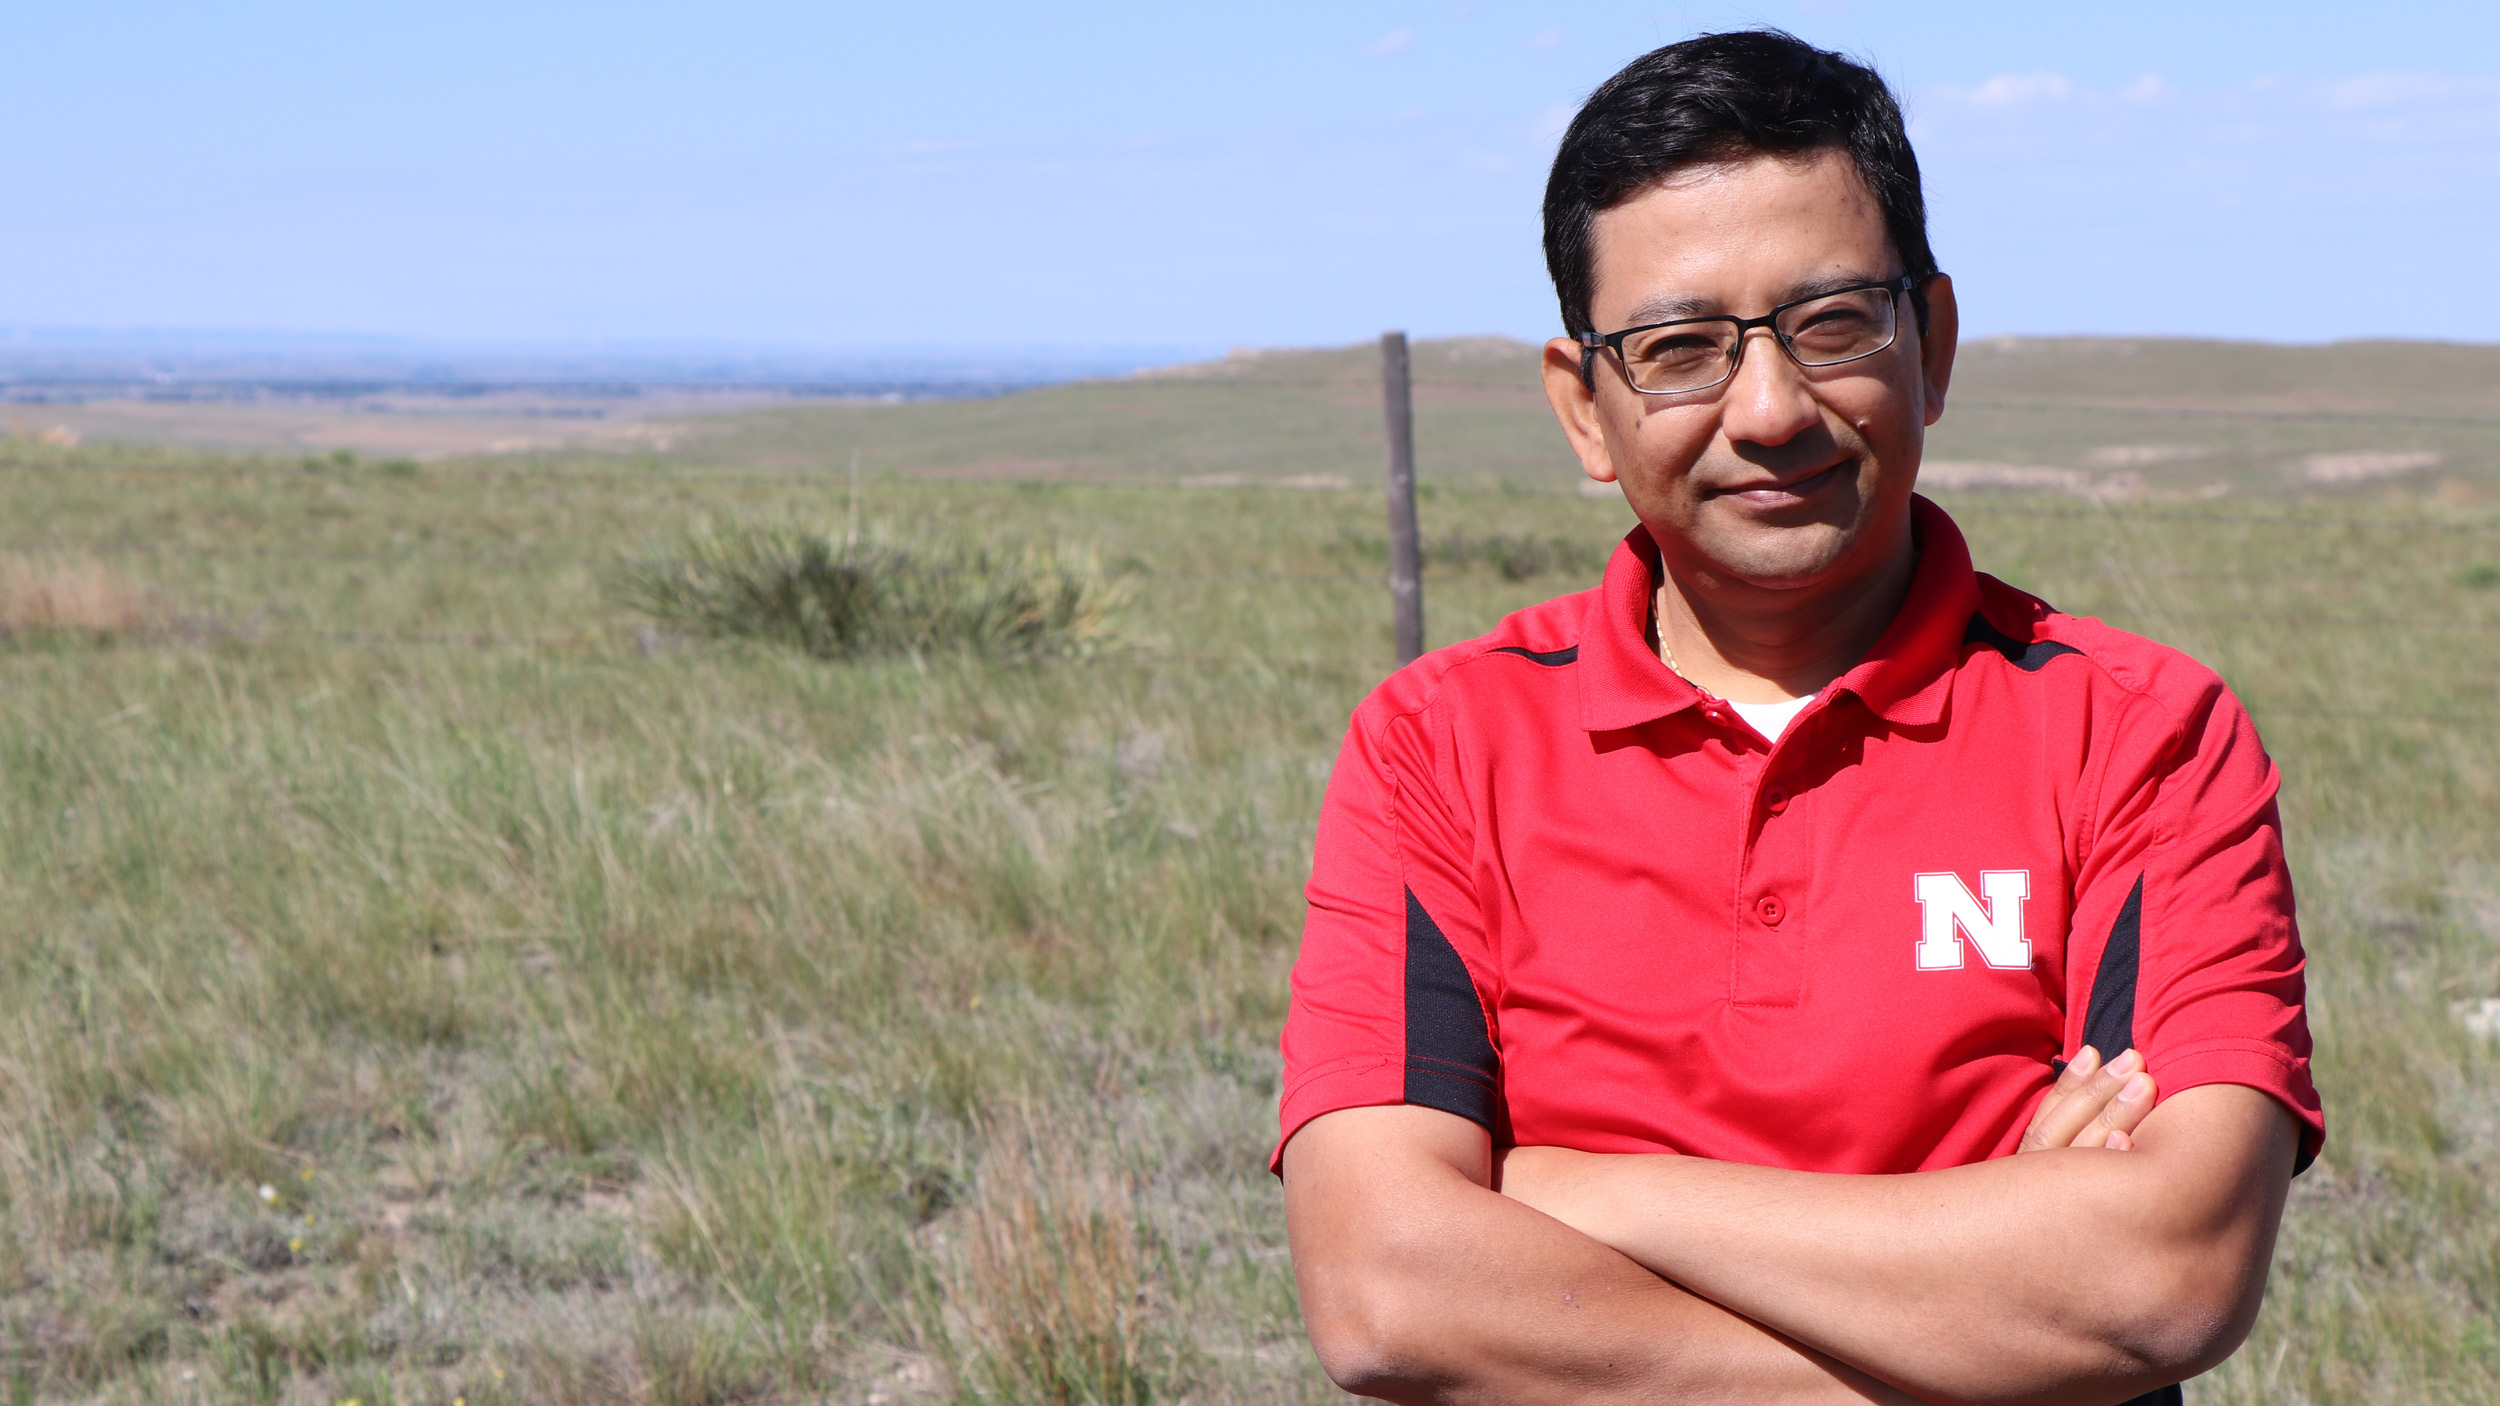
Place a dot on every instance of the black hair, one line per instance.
(1716, 97)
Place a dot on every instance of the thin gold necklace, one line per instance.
(1666, 652)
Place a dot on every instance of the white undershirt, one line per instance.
(1771, 719)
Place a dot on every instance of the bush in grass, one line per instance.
(810, 591)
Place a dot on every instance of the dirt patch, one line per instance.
(2138, 456)
(2037, 478)
(2365, 465)
(388, 425)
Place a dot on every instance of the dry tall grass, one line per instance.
(1050, 1278)
(74, 595)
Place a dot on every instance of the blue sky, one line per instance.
(932, 174)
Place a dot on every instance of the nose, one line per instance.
(1767, 401)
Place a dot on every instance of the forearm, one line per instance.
(1940, 1282)
(2074, 1275)
(1420, 1285)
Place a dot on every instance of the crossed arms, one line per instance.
(2093, 1268)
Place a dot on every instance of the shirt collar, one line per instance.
(1903, 679)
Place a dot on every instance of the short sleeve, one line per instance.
(1388, 1002)
(2184, 929)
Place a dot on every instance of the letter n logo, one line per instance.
(1948, 913)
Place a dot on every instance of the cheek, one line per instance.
(1884, 409)
(1632, 437)
(1665, 437)
(1878, 417)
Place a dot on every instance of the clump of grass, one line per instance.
(687, 1358)
(1049, 1281)
(822, 596)
(71, 595)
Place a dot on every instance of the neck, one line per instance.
(1756, 645)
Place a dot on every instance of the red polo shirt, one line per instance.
(1562, 893)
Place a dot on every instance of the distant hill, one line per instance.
(2098, 417)
(2379, 377)
(2175, 415)
(2095, 416)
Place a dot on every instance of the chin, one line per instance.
(1780, 559)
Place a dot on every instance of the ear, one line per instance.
(1575, 405)
(1938, 343)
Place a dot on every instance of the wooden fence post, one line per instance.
(1406, 553)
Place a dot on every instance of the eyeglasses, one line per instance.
(1696, 353)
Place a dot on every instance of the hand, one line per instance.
(2092, 1105)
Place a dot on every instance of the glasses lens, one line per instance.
(1842, 327)
(1685, 357)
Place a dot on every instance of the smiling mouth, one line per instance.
(1776, 495)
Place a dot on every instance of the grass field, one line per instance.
(426, 980)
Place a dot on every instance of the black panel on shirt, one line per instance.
(1552, 660)
(2109, 1022)
(1450, 1063)
(2027, 657)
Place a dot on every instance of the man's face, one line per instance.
(1783, 477)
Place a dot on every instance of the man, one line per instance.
(1797, 848)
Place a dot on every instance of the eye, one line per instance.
(1672, 345)
(1681, 344)
(1840, 327)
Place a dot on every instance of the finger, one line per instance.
(2121, 1115)
(2077, 1119)
(2057, 1120)
(2079, 1070)
(2094, 1103)
(2061, 1116)
(2119, 1142)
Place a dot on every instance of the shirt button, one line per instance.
(1771, 910)
(1775, 799)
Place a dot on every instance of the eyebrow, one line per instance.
(1671, 308)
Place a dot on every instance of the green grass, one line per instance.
(617, 1016)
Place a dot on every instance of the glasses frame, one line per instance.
(1593, 342)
